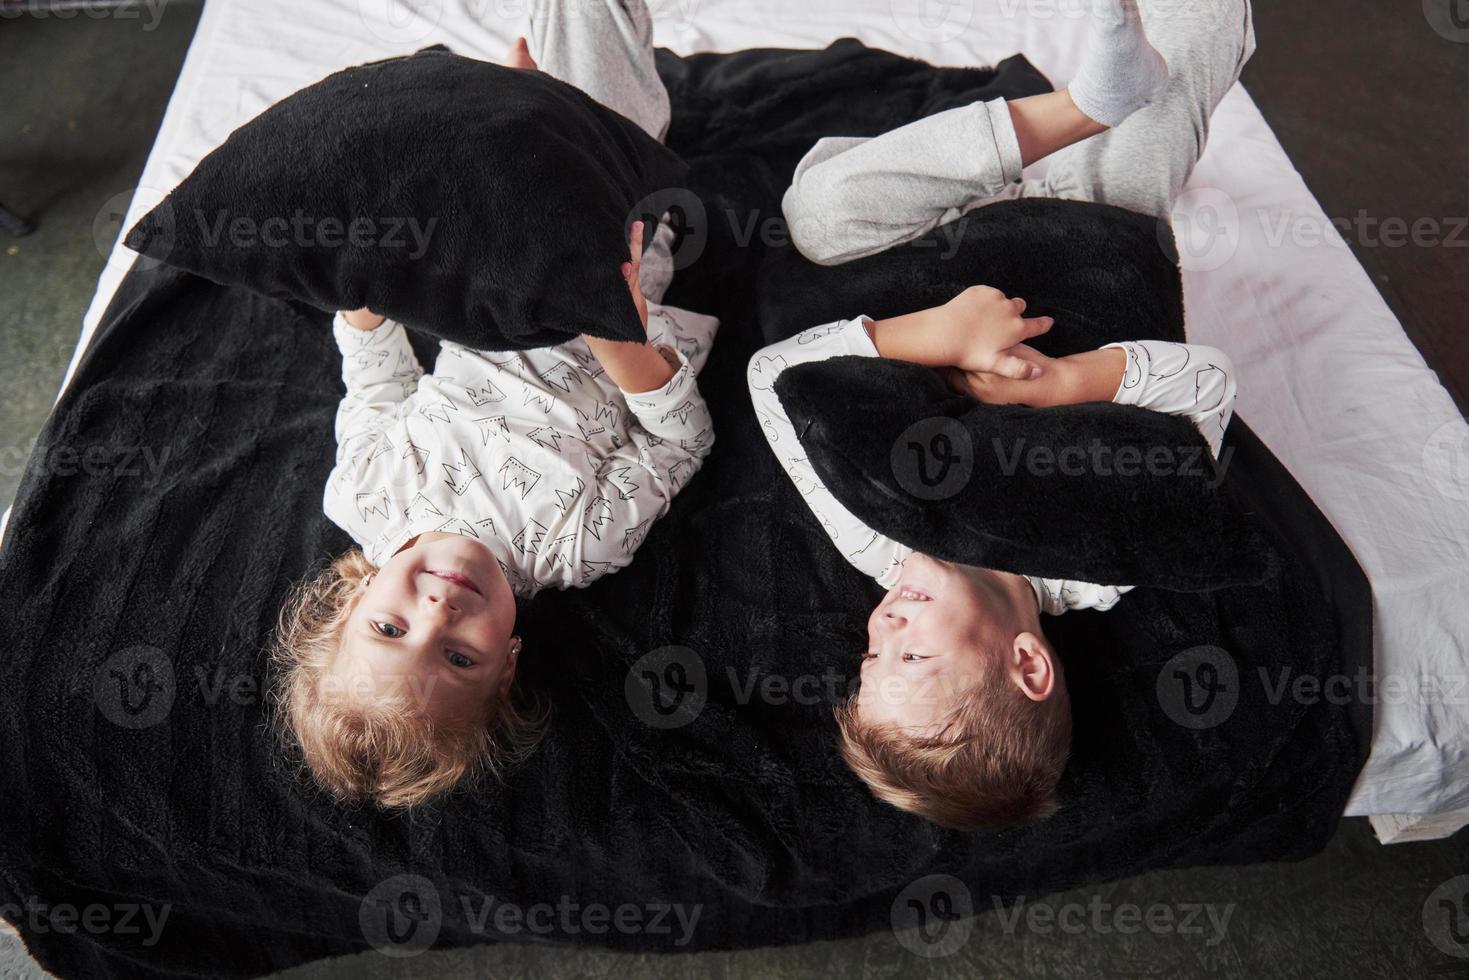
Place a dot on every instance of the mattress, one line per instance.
(1330, 381)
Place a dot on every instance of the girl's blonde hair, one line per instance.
(390, 750)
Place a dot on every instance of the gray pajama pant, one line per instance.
(852, 197)
(605, 48)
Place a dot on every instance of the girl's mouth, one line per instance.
(915, 594)
(458, 579)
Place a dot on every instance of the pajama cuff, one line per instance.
(350, 339)
(859, 341)
(1131, 386)
(656, 403)
(1006, 144)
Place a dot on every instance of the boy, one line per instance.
(962, 714)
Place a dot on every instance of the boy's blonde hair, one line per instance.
(389, 750)
(995, 764)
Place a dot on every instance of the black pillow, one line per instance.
(1104, 493)
(1098, 492)
(478, 203)
(1105, 274)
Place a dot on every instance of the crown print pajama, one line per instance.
(535, 453)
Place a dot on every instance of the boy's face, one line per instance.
(938, 632)
(434, 623)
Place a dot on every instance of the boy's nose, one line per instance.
(895, 619)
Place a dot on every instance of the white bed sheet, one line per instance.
(1330, 381)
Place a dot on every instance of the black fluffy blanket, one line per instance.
(174, 496)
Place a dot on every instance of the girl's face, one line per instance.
(435, 623)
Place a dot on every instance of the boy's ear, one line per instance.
(1033, 666)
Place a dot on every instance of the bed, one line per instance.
(1352, 452)
(1333, 386)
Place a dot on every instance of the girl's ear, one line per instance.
(512, 660)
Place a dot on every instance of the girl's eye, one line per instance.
(459, 660)
(389, 630)
(912, 658)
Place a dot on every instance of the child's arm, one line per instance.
(669, 435)
(634, 367)
(379, 369)
(976, 328)
(380, 372)
(1192, 380)
(1177, 379)
(868, 551)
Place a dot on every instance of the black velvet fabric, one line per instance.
(137, 769)
(1103, 273)
(1096, 492)
(477, 203)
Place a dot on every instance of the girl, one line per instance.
(495, 476)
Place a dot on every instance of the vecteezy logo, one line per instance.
(1448, 18)
(668, 687)
(932, 21)
(400, 21)
(933, 458)
(1446, 458)
(1203, 227)
(134, 688)
(1446, 916)
(1199, 687)
(401, 916)
(933, 916)
(683, 212)
(107, 228)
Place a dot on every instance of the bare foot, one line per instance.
(519, 56)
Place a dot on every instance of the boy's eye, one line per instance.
(912, 658)
(459, 660)
(388, 629)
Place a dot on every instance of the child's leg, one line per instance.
(604, 48)
(1142, 164)
(853, 197)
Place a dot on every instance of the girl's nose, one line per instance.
(439, 603)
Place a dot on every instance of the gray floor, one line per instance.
(1370, 104)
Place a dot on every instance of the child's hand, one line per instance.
(978, 329)
(519, 56)
(363, 319)
(631, 269)
(1045, 389)
(1092, 376)
(974, 331)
